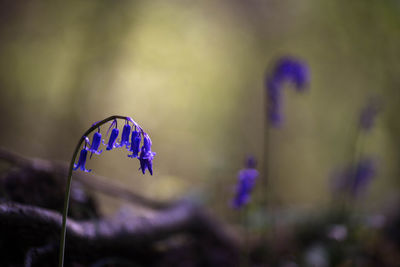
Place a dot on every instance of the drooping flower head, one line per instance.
(82, 159)
(292, 70)
(95, 144)
(286, 69)
(146, 155)
(125, 136)
(245, 184)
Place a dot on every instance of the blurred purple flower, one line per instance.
(364, 172)
(353, 180)
(82, 161)
(368, 115)
(293, 70)
(245, 184)
(286, 69)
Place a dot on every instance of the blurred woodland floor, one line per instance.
(171, 234)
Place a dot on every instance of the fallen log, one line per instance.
(164, 236)
(92, 181)
(120, 236)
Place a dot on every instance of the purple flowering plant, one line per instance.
(287, 69)
(145, 157)
(354, 179)
(365, 170)
(245, 184)
(95, 144)
(82, 159)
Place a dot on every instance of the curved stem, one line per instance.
(68, 186)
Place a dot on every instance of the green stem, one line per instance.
(357, 154)
(347, 199)
(245, 253)
(266, 198)
(68, 186)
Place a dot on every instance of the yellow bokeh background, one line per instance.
(192, 74)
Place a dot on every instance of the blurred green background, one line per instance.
(192, 73)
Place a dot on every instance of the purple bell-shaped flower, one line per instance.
(126, 131)
(146, 143)
(146, 156)
(135, 144)
(82, 161)
(113, 138)
(95, 144)
(146, 160)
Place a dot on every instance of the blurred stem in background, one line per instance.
(362, 169)
(352, 181)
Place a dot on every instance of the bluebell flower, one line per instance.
(368, 115)
(246, 182)
(135, 144)
(354, 179)
(82, 161)
(126, 131)
(95, 144)
(244, 187)
(146, 156)
(146, 160)
(293, 70)
(286, 69)
(146, 143)
(113, 138)
(364, 172)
